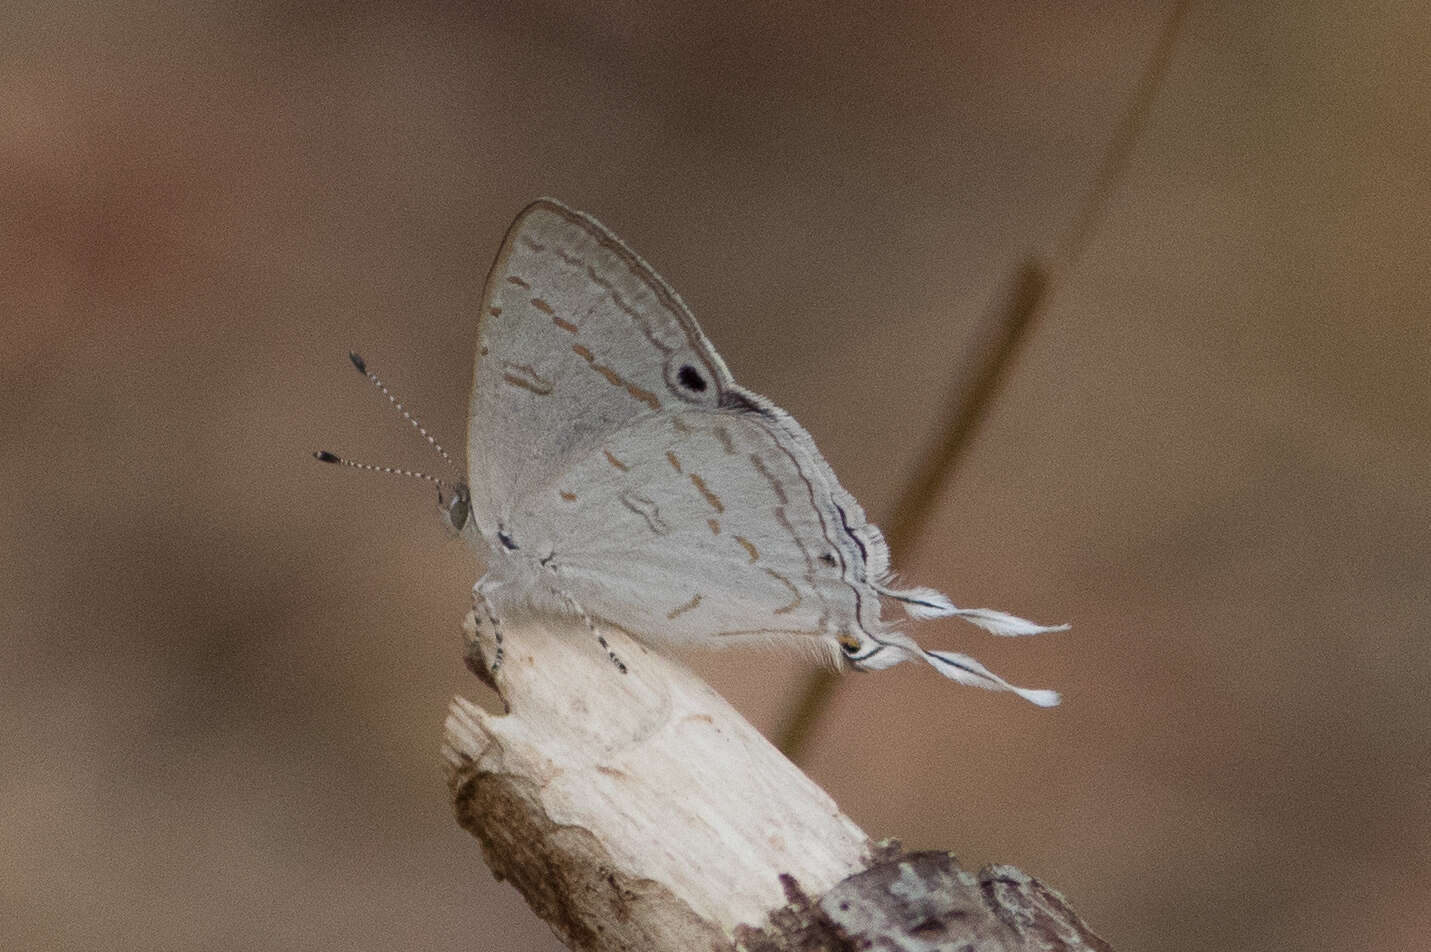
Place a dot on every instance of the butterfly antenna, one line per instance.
(397, 405)
(323, 456)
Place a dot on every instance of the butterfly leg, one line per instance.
(595, 631)
(482, 611)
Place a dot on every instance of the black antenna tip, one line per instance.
(324, 456)
(358, 362)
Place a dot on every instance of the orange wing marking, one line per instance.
(793, 591)
(775, 486)
(726, 443)
(749, 547)
(541, 305)
(675, 463)
(615, 462)
(614, 378)
(616, 297)
(513, 279)
(682, 609)
(522, 375)
(711, 497)
(715, 526)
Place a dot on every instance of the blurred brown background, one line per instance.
(225, 668)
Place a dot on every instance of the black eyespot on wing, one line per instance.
(828, 558)
(691, 378)
(505, 539)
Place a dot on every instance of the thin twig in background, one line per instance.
(993, 354)
(995, 350)
(1120, 149)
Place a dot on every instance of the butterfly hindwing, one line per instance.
(703, 525)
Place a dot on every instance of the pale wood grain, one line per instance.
(641, 811)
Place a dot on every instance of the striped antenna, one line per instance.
(323, 456)
(397, 405)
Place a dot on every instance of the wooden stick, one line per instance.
(641, 811)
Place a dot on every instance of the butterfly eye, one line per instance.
(691, 378)
(456, 504)
(457, 513)
(849, 644)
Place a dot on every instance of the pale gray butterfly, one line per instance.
(617, 473)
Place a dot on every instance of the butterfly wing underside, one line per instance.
(705, 526)
(607, 439)
(577, 336)
(586, 356)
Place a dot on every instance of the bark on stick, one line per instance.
(642, 812)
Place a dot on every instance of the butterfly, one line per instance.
(617, 473)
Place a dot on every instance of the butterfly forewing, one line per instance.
(577, 336)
